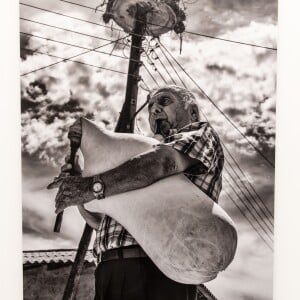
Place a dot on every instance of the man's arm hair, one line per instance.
(145, 169)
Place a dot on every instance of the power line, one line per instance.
(218, 108)
(67, 16)
(250, 184)
(172, 66)
(69, 58)
(163, 65)
(249, 221)
(254, 199)
(81, 5)
(155, 68)
(238, 196)
(74, 46)
(73, 31)
(188, 32)
(153, 78)
(259, 217)
(65, 29)
(75, 18)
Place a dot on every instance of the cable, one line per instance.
(75, 61)
(218, 108)
(72, 31)
(153, 78)
(252, 187)
(65, 29)
(254, 199)
(188, 32)
(67, 16)
(237, 195)
(163, 65)
(81, 5)
(172, 66)
(249, 201)
(246, 217)
(69, 58)
(155, 68)
(75, 18)
(260, 218)
(75, 46)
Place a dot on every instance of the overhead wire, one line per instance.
(188, 32)
(69, 58)
(74, 46)
(266, 228)
(218, 108)
(257, 216)
(89, 50)
(76, 18)
(149, 60)
(264, 208)
(163, 65)
(250, 184)
(248, 219)
(172, 66)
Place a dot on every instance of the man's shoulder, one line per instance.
(200, 127)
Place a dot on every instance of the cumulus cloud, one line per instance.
(241, 80)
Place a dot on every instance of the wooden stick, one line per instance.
(125, 124)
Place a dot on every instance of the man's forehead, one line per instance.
(162, 93)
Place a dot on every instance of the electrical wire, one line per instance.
(247, 203)
(75, 46)
(74, 61)
(218, 108)
(188, 32)
(172, 66)
(153, 78)
(249, 221)
(258, 217)
(69, 58)
(155, 68)
(250, 184)
(265, 208)
(72, 31)
(163, 65)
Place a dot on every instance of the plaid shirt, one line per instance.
(197, 140)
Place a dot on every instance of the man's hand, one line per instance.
(73, 190)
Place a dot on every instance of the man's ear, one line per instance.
(194, 112)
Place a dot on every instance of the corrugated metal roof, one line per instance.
(54, 256)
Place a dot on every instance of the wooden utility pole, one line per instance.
(125, 124)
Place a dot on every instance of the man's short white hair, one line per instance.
(182, 93)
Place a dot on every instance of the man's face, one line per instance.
(167, 111)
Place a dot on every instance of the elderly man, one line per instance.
(188, 146)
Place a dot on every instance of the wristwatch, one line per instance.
(98, 187)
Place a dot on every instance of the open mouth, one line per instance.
(162, 127)
(158, 126)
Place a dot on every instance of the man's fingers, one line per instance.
(55, 184)
(65, 168)
(67, 158)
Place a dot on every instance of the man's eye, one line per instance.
(164, 101)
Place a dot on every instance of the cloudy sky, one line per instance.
(241, 80)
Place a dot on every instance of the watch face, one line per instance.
(97, 187)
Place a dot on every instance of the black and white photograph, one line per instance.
(148, 134)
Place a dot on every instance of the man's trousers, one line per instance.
(137, 279)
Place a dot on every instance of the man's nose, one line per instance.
(156, 109)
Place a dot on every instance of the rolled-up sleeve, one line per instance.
(200, 144)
